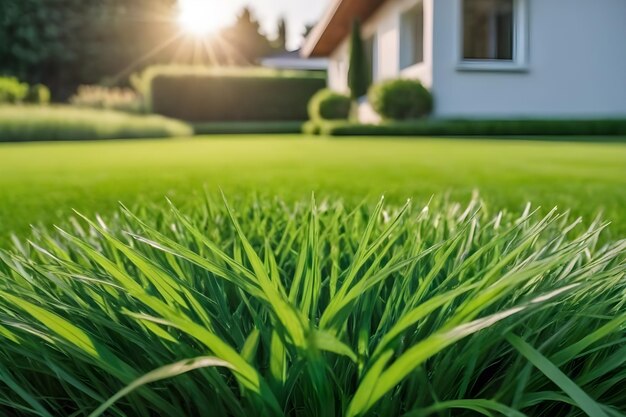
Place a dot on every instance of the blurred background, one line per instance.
(67, 43)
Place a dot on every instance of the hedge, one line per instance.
(606, 127)
(401, 99)
(330, 105)
(63, 123)
(197, 95)
(233, 128)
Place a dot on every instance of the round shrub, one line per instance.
(12, 90)
(329, 105)
(312, 127)
(401, 99)
(38, 94)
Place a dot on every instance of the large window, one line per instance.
(412, 36)
(489, 30)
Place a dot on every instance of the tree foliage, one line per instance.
(64, 43)
(67, 43)
(358, 78)
(281, 37)
(244, 42)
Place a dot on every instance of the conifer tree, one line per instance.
(358, 78)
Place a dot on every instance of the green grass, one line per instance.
(280, 304)
(272, 308)
(43, 182)
(34, 123)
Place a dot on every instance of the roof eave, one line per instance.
(334, 26)
(310, 48)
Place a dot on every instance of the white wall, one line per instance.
(385, 24)
(338, 68)
(576, 64)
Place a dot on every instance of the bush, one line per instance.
(329, 105)
(212, 95)
(401, 99)
(29, 123)
(312, 127)
(107, 98)
(315, 310)
(12, 90)
(322, 127)
(38, 94)
(442, 127)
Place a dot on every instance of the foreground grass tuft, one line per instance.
(265, 308)
(62, 123)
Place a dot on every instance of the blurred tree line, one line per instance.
(67, 43)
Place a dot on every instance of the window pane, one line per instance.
(488, 27)
(412, 37)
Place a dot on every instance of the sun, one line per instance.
(201, 17)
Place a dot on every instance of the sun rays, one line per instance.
(203, 17)
(196, 37)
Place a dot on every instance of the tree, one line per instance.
(281, 37)
(245, 41)
(358, 77)
(65, 43)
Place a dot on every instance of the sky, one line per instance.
(297, 12)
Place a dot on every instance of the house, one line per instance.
(489, 58)
(293, 60)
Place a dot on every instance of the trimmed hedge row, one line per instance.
(239, 95)
(63, 123)
(608, 127)
(234, 128)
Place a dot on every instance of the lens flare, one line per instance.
(202, 17)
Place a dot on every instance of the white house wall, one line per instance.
(385, 25)
(576, 64)
(338, 69)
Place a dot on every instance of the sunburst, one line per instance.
(203, 17)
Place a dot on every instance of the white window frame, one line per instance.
(405, 10)
(519, 63)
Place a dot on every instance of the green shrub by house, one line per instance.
(358, 77)
(214, 95)
(401, 99)
(269, 309)
(329, 105)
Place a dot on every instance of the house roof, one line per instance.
(294, 60)
(336, 25)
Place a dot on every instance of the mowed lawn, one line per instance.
(42, 183)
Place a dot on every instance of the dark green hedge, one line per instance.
(234, 128)
(610, 127)
(237, 96)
